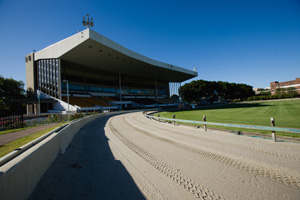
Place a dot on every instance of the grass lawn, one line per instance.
(9, 147)
(286, 114)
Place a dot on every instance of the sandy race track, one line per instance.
(133, 157)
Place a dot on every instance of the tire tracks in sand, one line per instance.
(196, 189)
(267, 152)
(286, 179)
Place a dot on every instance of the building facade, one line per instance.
(90, 65)
(286, 85)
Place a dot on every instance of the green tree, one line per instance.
(10, 91)
(175, 97)
(291, 90)
(280, 90)
(195, 90)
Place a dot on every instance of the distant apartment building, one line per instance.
(285, 85)
(261, 90)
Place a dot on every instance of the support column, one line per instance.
(120, 84)
(59, 78)
(156, 92)
(84, 82)
(36, 109)
(29, 108)
(171, 89)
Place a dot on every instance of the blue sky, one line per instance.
(243, 41)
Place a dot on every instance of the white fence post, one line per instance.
(205, 126)
(273, 132)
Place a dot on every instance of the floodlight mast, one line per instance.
(87, 22)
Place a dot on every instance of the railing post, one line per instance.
(174, 116)
(205, 126)
(158, 118)
(273, 132)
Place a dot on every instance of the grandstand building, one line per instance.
(91, 72)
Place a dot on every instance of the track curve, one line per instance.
(262, 167)
(128, 156)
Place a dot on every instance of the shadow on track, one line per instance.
(88, 170)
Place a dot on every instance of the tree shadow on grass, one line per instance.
(230, 106)
(227, 106)
(88, 170)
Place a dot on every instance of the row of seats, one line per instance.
(107, 99)
(93, 101)
(147, 101)
(85, 101)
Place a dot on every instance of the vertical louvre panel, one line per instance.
(48, 76)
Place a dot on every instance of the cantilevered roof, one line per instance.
(92, 49)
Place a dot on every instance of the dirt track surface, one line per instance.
(131, 157)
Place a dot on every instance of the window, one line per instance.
(109, 90)
(94, 89)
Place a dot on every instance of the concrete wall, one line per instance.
(30, 80)
(19, 177)
(30, 73)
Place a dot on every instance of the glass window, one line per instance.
(94, 89)
(109, 90)
(161, 92)
(39, 72)
(72, 87)
(135, 91)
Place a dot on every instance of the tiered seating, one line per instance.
(107, 99)
(144, 101)
(85, 101)
(94, 101)
(77, 101)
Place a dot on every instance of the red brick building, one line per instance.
(285, 85)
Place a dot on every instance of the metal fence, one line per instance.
(21, 121)
(269, 128)
(11, 122)
(52, 118)
(205, 123)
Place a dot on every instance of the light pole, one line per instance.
(38, 93)
(66, 81)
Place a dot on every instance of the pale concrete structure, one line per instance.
(19, 176)
(87, 48)
(96, 61)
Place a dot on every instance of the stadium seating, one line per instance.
(85, 101)
(95, 101)
(107, 99)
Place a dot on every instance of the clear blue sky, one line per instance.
(243, 41)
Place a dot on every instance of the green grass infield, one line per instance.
(286, 114)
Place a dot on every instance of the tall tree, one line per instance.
(10, 91)
(195, 90)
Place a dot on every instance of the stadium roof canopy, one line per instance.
(91, 49)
